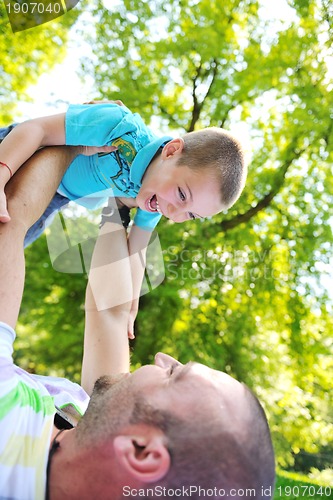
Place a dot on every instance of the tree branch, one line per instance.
(197, 105)
(228, 224)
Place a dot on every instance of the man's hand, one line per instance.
(92, 150)
(117, 101)
(5, 174)
(4, 215)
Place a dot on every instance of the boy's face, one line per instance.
(178, 192)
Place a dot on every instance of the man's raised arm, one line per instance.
(108, 304)
(28, 194)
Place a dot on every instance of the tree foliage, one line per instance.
(247, 292)
(28, 54)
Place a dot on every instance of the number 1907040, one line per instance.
(305, 491)
(34, 8)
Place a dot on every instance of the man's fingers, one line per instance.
(117, 101)
(108, 149)
(4, 215)
(4, 218)
(92, 150)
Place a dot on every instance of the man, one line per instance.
(165, 430)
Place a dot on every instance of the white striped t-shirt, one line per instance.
(27, 408)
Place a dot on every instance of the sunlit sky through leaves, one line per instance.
(62, 85)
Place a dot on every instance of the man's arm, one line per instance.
(108, 303)
(138, 241)
(28, 194)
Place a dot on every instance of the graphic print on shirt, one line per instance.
(124, 156)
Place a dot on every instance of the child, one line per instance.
(194, 176)
(142, 169)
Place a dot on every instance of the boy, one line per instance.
(189, 177)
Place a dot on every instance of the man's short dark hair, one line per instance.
(204, 452)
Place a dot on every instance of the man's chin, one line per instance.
(105, 382)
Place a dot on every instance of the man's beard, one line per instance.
(109, 409)
(106, 382)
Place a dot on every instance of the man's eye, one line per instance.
(182, 195)
(172, 369)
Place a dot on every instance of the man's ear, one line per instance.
(145, 457)
(173, 147)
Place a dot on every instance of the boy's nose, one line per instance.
(176, 214)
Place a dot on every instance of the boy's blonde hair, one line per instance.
(216, 149)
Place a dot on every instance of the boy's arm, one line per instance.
(22, 142)
(25, 138)
(29, 136)
(108, 303)
(138, 241)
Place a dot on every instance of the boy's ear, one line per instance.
(173, 147)
(144, 457)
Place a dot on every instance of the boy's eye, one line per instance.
(182, 195)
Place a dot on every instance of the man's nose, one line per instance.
(164, 360)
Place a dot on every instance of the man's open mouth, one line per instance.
(153, 205)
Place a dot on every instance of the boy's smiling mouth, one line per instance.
(152, 204)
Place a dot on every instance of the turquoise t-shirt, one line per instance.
(90, 180)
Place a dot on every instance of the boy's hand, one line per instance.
(4, 215)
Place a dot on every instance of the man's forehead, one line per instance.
(229, 399)
(216, 377)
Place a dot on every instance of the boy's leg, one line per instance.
(5, 131)
(38, 228)
(28, 194)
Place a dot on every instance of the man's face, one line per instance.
(182, 389)
(191, 387)
(178, 192)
